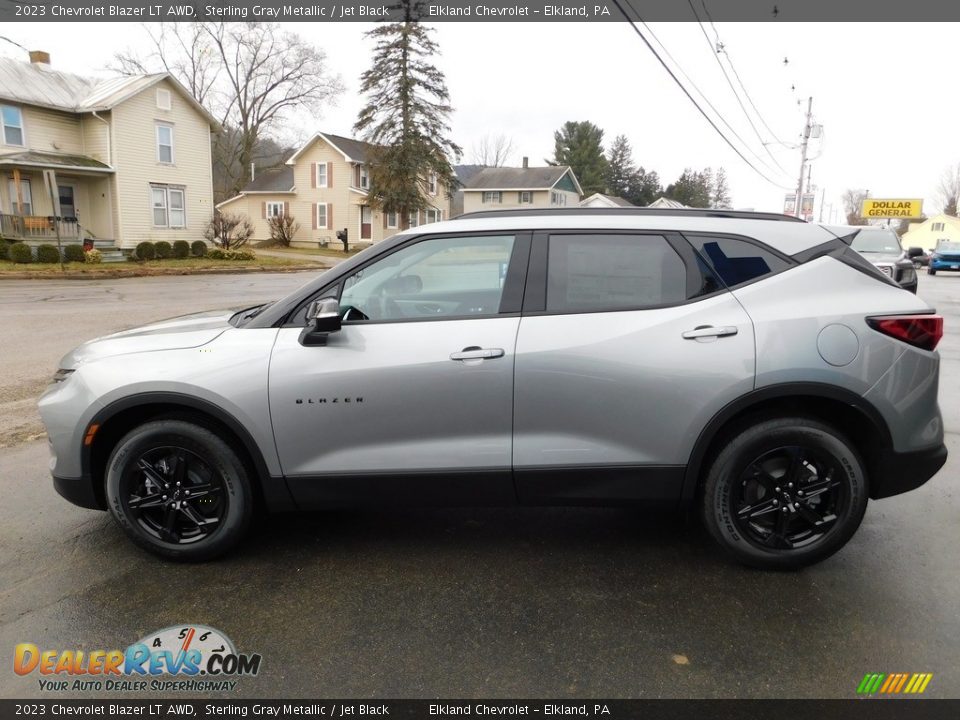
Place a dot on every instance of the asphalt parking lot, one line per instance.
(550, 603)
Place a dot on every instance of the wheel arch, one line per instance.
(120, 416)
(851, 413)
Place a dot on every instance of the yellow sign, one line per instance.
(887, 208)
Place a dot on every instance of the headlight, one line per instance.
(908, 275)
(61, 375)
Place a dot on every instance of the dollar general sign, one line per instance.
(895, 208)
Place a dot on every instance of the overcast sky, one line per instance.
(882, 92)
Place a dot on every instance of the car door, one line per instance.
(413, 398)
(628, 344)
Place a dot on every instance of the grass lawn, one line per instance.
(170, 266)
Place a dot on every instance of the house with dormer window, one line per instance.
(324, 186)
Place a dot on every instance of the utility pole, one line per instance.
(803, 154)
(823, 200)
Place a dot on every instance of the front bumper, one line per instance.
(79, 491)
(897, 473)
(945, 265)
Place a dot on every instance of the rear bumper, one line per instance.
(79, 491)
(901, 472)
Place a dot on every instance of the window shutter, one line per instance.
(263, 210)
(313, 215)
(329, 174)
(384, 219)
(329, 212)
(286, 209)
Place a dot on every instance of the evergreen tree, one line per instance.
(621, 172)
(691, 189)
(580, 145)
(406, 116)
(645, 187)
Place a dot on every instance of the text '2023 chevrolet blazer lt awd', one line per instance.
(748, 365)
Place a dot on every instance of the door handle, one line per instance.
(477, 353)
(705, 331)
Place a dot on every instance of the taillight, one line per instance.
(922, 331)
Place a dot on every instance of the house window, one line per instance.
(165, 144)
(169, 206)
(493, 197)
(26, 195)
(178, 212)
(413, 219)
(525, 197)
(321, 174)
(364, 177)
(433, 215)
(557, 198)
(936, 227)
(432, 183)
(163, 99)
(274, 209)
(12, 125)
(322, 223)
(391, 219)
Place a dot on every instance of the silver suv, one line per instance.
(750, 365)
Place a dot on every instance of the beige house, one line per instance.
(129, 157)
(323, 186)
(931, 231)
(500, 188)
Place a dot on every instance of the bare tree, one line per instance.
(853, 204)
(252, 76)
(228, 231)
(492, 150)
(283, 229)
(948, 191)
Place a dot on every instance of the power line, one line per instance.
(716, 54)
(687, 92)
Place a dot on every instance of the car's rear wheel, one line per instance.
(931, 271)
(785, 493)
(179, 490)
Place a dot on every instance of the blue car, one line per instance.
(945, 257)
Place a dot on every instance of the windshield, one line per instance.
(948, 247)
(876, 241)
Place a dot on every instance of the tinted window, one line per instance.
(737, 261)
(445, 277)
(613, 272)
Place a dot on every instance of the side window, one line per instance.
(737, 261)
(615, 272)
(443, 277)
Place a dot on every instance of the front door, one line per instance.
(412, 399)
(366, 222)
(68, 208)
(625, 351)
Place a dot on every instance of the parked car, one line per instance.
(881, 246)
(922, 259)
(946, 256)
(746, 364)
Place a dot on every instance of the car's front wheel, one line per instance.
(785, 493)
(179, 490)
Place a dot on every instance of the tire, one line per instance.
(931, 271)
(762, 523)
(204, 516)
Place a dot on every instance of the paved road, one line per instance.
(43, 319)
(487, 603)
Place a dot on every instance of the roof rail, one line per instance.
(655, 212)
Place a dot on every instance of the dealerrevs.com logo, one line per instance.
(190, 658)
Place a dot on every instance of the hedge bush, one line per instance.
(220, 254)
(145, 251)
(20, 253)
(73, 253)
(48, 254)
(163, 249)
(4, 250)
(198, 248)
(181, 249)
(93, 256)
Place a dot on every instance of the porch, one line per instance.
(40, 227)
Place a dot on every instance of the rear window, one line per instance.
(592, 273)
(737, 261)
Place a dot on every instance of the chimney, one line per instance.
(526, 161)
(40, 57)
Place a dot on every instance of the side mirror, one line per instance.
(915, 252)
(323, 318)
